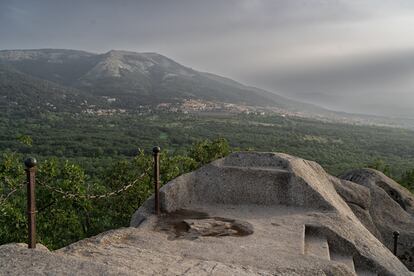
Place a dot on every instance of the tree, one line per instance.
(407, 180)
(206, 151)
(72, 207)
(381, 166)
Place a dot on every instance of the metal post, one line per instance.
(156, 154)
(31, 200)
(395, 234)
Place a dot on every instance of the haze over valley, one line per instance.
(190, 137)
(123, 81)
(348, 56)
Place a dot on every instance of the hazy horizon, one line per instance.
(342, 55)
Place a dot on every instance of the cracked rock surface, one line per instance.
(247, 214)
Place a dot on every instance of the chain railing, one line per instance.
(72, 195)
(31, 163)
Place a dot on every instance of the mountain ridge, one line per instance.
(22, 92)
(137, 78)
(127, 81)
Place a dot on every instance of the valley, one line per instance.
(84, 138)
(91, 121)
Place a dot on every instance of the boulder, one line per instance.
(389, 207)
(249, 213)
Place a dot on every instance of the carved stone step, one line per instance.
(345, 259)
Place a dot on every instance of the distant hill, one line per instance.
(76, 81)
(22, 92)
(129, 78)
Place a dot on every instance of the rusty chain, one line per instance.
(69, 195)
(66, 194)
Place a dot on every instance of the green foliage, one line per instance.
(66, 213)
(96, 142)
(12, 199)
(88, 155)
(207, 151)
(380, 165)
(59, 220)
(407, 180)
(25, 140)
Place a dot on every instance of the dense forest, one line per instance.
(85, 161)
(84, 139)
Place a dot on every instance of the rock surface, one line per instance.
(246, 214)
(385, 207)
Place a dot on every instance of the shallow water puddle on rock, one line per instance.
(188, 224)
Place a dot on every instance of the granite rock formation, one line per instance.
(246, 214)
(383, 206)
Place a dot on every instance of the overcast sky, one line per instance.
(351, 55)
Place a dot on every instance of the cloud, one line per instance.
(363, 84)
(329, 52)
